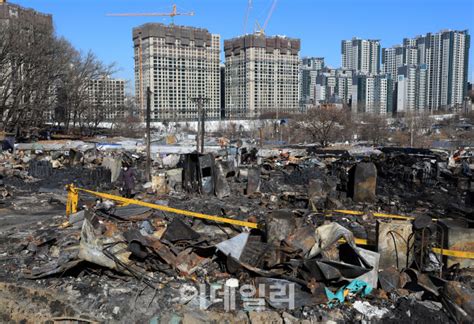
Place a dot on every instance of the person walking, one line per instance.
(127, 180)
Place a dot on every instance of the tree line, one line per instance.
(44, 78)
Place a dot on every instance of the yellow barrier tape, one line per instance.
(446, 252)
(169, 209)
(454, 253)
(382, 215)
(357, 241)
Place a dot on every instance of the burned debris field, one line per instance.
(286, 235)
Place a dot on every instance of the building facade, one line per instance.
(372, 94)
(23, 24)
(446, 56)
(396, 57)
(107, 96)
(310, 66)
(12, 13)
(334, 86)
(361, 55)
(411, 88)
(178, 64)
(261, 75)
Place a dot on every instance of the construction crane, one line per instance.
(247, 13)
(174, 12)
(260, 30)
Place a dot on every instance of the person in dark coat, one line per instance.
(127, 180)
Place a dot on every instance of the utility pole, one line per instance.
(148, 135)
(201, 120)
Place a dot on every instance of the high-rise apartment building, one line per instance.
(446, 56)
(411, 88)
(107, 96)
(397, 56)
(178, 64)
(25, 23)
(261, 75)
(361, 55)
(372, 94)
(308, 74)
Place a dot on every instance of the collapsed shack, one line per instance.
(324, 248)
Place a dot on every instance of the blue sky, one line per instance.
(320, 24)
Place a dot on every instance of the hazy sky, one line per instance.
(320, 24)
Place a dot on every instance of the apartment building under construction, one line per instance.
(261, 75)
(178, 64)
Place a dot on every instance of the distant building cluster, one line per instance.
(264, 75)
(425, 73)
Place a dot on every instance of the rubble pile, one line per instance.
(340, 235)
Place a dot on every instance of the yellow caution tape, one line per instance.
(454, 253)
(166, 208)
(446, 252)
(382, 215)
(72, 207)
(357, 241)
(348, 212)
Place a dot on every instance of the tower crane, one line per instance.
(261, 29)
(174, 12)
(247, 13)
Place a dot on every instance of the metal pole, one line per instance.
(148, 135)
(198, 128)
(203, 130)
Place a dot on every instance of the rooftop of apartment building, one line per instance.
(170, 31)
(10, 10)
(234, 45)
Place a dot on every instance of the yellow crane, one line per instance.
(260, 30)
(247, 13)
(174, 12)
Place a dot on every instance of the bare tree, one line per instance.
(42, 77)
(374, 128)
(416, 130)
(31, 61)
(322, 123)
(73, 101)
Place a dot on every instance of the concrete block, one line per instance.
(392, 238)
(280, 224)
(363, 182)
(253, 181)
(159, 184)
